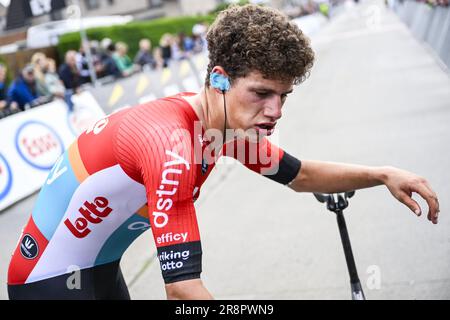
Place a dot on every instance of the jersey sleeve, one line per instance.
(164, 157)
(265, 158)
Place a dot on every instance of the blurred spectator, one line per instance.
(54, 85)
(198, 44)
(157, 53)
(443, 3)
(23, 90)
(83, 65)
(166, 49)
(3, 97)
(106, 57)
(199, 31)
(313, 6)
(96, 58)
(324, 8)
(38, 60)
(176, 48)
(68, 72)
(186, 42)
(122, 60)
(144, 56)
(432, 3)
(105, 43)
(6, 108)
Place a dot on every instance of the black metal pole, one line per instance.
(357, 292)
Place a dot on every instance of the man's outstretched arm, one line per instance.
(332, 177)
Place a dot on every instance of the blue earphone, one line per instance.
(219, 81)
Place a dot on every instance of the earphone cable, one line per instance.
(225, 120)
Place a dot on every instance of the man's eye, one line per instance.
(262, 94)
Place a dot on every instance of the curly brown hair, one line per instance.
(250, 38)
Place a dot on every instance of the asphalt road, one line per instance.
(376, 96)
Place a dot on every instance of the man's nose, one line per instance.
(273, 108)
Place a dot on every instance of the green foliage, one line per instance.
(223, 5)
(132, 32)
(9, 73)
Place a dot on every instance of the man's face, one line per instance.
(71, 60)
(44, 64)
(145, 45)
(28, 76)
(254, 104)
(121, 50)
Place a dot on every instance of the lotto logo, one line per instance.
(168, 259)
(90, 213)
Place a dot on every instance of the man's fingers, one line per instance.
(435, 197)
(411, 204)
(430, 197)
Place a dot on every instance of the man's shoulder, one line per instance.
(12, 86)
(64, 68)
(16, 85)
(173, 109)
(156, 121)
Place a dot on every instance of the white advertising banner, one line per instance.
(32, 141)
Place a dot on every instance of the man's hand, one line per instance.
(332, 177)
(402, 184)
(14, 105)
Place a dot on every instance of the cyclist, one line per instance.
(143, 167)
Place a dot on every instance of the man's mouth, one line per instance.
(265, 128)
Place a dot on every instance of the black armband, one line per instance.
(181, 261)
(288, 169)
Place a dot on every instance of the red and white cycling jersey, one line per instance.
(134, 169)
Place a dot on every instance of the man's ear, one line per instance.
(219, 80)
(219, 70)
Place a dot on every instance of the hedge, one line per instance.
(9, 73)
(225, 5)
(132, 32)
